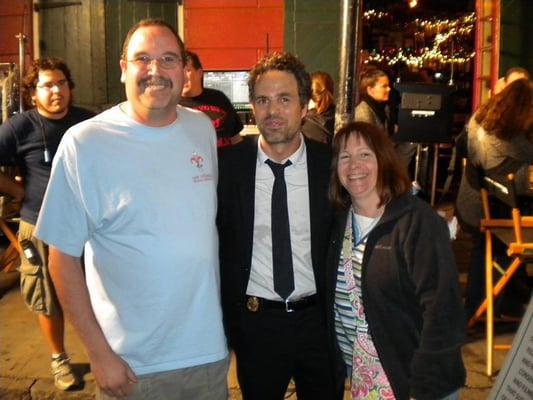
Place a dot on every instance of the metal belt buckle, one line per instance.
(252, 304)
(287, 307)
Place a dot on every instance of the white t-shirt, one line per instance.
(142, 202)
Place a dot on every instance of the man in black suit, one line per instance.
(274, 229)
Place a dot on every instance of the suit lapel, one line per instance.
(247, 196)
(315, 187)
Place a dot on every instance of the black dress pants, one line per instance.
(274, 346)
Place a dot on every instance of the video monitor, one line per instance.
(425, 113)
(234, 84)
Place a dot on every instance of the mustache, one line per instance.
(273, 117)
(156, 81)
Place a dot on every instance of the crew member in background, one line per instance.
(30, 139)
(511, 75)
(319, 123)
(212, 102)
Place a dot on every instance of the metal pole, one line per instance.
(22, 58)
(350, 25)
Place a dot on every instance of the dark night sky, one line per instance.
(425, 8)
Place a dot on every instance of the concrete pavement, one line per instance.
(25, 358)
(25, 365)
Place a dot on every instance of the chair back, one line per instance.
(515, 232)
(502, 189)
(496, 190)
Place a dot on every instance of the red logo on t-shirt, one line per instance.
(197, 160)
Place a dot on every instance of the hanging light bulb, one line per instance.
(412, 3)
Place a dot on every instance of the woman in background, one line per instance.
(374, 91)
(373, 108)
(499, 142)
(393, 306)
(319, 123)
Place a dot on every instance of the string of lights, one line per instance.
(442, 37)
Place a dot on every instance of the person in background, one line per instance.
(274, 222)
(134, 188)
(30, 140)
(319, 123)
(514, 73)
(511, 75)
(373, 108)
(374, 91)
(212, 102)
(393, 304)
(500, 142)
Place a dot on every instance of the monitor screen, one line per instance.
(234, 84)
(425, 113)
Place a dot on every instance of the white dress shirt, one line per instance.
(261, 282)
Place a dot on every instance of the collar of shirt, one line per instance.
(297, 158)
(261, 274)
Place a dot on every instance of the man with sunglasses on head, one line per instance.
(29, 140)
(135, 187)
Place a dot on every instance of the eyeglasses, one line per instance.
(49, 86)
(166, 62)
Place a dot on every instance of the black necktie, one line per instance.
(281, 233)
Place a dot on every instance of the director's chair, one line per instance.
(516, 233)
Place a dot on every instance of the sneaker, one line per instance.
(63, 376)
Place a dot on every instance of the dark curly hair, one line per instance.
(282, 62)
(29, 83)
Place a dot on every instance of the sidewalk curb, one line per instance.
(13, 388)
(41, 389)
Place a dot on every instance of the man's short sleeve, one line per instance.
(63, 220)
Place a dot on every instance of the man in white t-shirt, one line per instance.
(135, 189)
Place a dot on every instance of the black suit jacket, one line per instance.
(235, 220)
